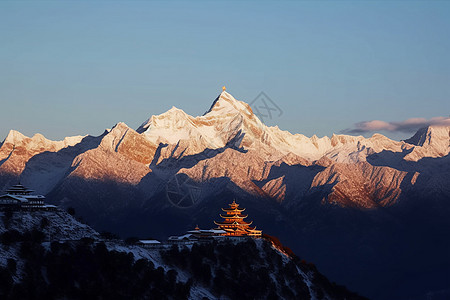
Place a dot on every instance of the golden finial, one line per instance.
(224, 88)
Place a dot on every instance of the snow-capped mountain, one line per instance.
(228, 141)
(176, 171)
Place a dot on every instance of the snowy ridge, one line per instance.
(229, 141)
(229, 117)
(60, 227)
(63, 226)
(38, 140)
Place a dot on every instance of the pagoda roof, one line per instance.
(233, 209)
(19, 198)
(18, 186)
(234, 230)
(233, 222)
(34, 197)
(243, 223)
(244, 231)
(18, 189)
(234, 216)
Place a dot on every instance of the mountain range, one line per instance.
(341, 200)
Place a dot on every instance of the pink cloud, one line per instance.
(409, 125)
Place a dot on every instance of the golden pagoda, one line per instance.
(234, 224)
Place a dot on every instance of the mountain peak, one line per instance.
(173, 109)
(120, 127)
(430, 141)
(418, 139)
(430, 134)
(14, 137)
(165, 119)
(225, 103)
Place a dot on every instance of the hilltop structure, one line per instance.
(19, 197)
(234, 224)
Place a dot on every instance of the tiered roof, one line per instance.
(232, 225)
(18, 189)
(20, 196)
(233, 222)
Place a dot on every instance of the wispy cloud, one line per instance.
(409, 125)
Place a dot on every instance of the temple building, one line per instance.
(233, 225)
(20, 197)
(233, 222)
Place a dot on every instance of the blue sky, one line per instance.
(69, 68)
